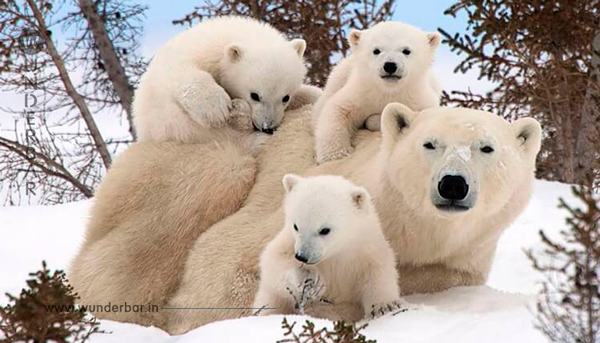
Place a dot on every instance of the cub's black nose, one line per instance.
(390, 67)
(268, 131)
(453, 187)
(301, 258)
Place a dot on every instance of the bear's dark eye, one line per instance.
(254, 96)
(286, 98)
(376, 52)
(487, 149)
(429, 146)
(324, 231)
(406, 51)
(295, 227)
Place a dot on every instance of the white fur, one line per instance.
(352, 264)
(356, 90)
(191, 81)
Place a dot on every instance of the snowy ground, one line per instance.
(498, 312)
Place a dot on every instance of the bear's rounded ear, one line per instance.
(234, 53)
(354, 37)
(396, 118)
(289, 181)
(434, 39)
(529, 133)
(299, 45)
(360, 198)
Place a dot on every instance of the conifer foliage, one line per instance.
(45, 312)
(568, 308)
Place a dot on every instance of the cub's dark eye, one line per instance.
(254, 96)
(406, 52)
(487, 149)
(295, 227)
(324, 231)
(429, 146)
(376, 52)
(286, 98)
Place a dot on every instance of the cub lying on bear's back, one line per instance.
(391, 62)
(331, 259)
(187, 91)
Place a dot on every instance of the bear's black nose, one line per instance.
(390, 67)
(301, 258)
(268, 131)
(453, 187)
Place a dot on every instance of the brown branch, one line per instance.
(24, 152)
(111, 61)
(99, 142)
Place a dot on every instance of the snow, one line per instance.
(464, 152)
(497, 312)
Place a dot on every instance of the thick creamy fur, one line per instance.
(355, 89)
(351, 266)
(147, 213)
(186, 93)
(435, 250)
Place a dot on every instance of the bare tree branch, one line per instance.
(112, 63)
(70, 88)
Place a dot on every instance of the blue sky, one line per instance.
(426, 14)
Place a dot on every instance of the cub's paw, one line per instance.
(395, 307)
(258, 140)
(373, 123)
(240, 116)
(210, 108)
(333, 155)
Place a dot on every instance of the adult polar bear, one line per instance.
(445, 182)
(146, 229)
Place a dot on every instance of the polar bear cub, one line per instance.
(191, 81)
(331, 250)
(389, 63)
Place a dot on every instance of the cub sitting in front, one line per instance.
(331, 259)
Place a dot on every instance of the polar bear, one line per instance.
(330, 226)
(442, 210)
(440, 240)
(389, 63)
(187, 91)
(149, 270)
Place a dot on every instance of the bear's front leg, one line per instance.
(204, 100)
(268, 301)
(305, 95)
(381, 294)
(335, 128)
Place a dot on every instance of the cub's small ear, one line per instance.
(354, 38)
(289, 181)
(360, 198)
(234, 53)
(299, 45)
(396, 119)
(529, 133)
(434, 39)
